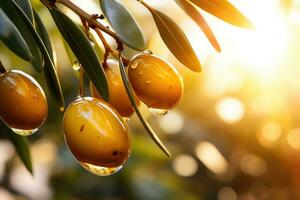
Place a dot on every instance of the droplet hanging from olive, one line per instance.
(155, 81)
(96, 135)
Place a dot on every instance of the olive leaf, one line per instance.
(25, 5)
(83, 50)
(191, 11)
(147, 127)
(25, 27)
(225, 11)
(12, 38)
(123, 23)
(21, 145)
(175, 40)
(50, 73)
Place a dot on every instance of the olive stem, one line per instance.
(92, 21)
(108, 49)
(2, 68)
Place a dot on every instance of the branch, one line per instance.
(92, 21)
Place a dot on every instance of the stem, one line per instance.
(92, 21)
(108, 49)
(2, 68)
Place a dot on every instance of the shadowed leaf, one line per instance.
(83, 50)
(50, 73)
(12, 38)
(25, 5)
(25, 27)
(20, 143)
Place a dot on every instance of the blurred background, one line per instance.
(234, 136)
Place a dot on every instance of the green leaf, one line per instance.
(24, 25)
(28, 27)
(83, 50)
(147, 127)
(123, 23)
(12, 38)
(50, 73)
(20, 143)
(25, 5)
(225, 11)
(191, 11)
(175, 39)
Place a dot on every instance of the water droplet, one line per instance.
(148, 82)
(158, 112)
(135, 64)
(24, 132)
(147, 51)
(34, 96)
(61, 109)
(140, 73)
(76, 66)
(100, 171)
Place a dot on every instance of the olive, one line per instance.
(155, 81)
(118, 96)
(23, 105)
(96, 135)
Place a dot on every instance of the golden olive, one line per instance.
(96, 134)
(155, 81)
(118, 96)
(23, 105)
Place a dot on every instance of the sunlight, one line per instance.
(261, 50)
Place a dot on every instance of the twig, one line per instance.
(93, 23)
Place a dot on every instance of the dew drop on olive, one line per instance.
(118, 96)
(155, 81)
(23, 105)
(96, 135)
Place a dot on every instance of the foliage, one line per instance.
(26, 36)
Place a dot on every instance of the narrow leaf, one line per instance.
(123, 23)
(50, 73)
(24, 25)
(25, 5)
(83, 50)
(147, 127)
(29, 28)
(225, 11)
(12, 38)
(175, 39)
(20, 143)
(191, 11)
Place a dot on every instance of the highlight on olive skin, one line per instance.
(24, 108)
(118, 96)
(155, 81)
(96, 135)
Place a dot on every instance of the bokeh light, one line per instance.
(185, 165)
(171, 123)
(227, 193)
(293, 139)
(230, 110)
(211, 157)
(253, 165)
